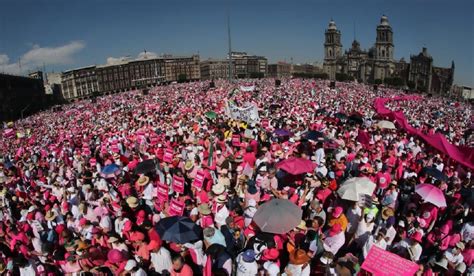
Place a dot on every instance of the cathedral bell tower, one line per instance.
(332, 49)
(383, 50)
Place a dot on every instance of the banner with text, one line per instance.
(247, 114)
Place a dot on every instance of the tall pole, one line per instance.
(229, 41)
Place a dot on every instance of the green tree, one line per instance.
(182, 78)
(378, 81)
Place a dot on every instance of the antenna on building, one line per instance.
(19, 65)
(354, 30)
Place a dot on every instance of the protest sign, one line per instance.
(178, 184)
(199, 179)
(176, 208)
(383, 263)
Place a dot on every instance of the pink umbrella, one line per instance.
(431, 194)
(296, 166)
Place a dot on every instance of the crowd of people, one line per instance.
(86, 190)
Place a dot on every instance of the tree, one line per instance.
(344, 77)
(256, 75)
(182, 78)
(411, 85)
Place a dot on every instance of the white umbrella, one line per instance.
(386, 124)
(354, 187)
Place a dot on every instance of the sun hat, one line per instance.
(442, 263)
(204, 209)
(218, 189)
(143, 180)
(132, 202)
(248, 256)
(337, 212)
(188, 165)
(50, 215)
(302, 225)
(461, 267)
(460, 245)
(222, 198)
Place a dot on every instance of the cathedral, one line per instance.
(365, 66)
(377, 65)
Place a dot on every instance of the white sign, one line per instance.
(247, 114)
(247, 88)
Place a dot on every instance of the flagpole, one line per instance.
(230, 43)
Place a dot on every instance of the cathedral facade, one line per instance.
(362, 65)
(377, 63)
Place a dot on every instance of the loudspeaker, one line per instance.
(145, 91)
(376, 87)
(277, 82)
(212, 85)
(332, 84)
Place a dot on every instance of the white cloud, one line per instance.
(147, 55)
(4, 59)
(113, 60)
(39, 56)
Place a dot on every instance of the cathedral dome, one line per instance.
(332, 25)
(384, 21)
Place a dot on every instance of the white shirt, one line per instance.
(161, 260)
(371, 242)
(319, 155)
(455, 259)
(334, 243)
(140, 272)
(298, 270)
(467, 232)
(415, 250)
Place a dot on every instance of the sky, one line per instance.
(57, 35)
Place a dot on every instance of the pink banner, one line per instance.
(168, 156)
(463, 155)
(383, 263)
(178, 184)
(162, 192)
(199, 179)
(176, 208)
(235, 140)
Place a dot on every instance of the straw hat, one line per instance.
(218, 189)
(302, 225)
(222, 198)
(50, 215)
(188, 165)
(143, 180)
(204, 209)
(132, 202)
